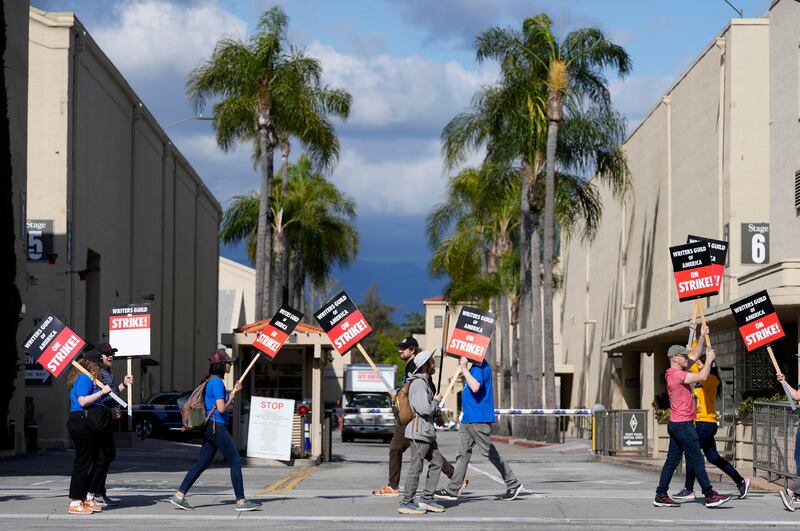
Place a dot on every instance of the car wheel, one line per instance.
(144, 428)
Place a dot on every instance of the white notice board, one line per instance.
(269, 432)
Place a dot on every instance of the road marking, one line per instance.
(295, 481)
(42, 482)
(494, 478)
(437, 518)
(288, 477)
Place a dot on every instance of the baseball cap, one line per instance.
(408, 342)
(677, 350)
(105, 348)
(421, 359)
(92, 355)
(220, 356)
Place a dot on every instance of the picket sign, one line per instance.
(272, 337)
(100, 384)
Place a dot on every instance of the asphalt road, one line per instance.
(567, 489)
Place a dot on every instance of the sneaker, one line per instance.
(744, 488)
(247, 505)
(79, 509)
(664, 501)
(464, 485)
(511, 494)
(787, 500)
(432, 506)
(106, 501)
(181, 503)
(684, 495)
(411, 508)
(715, 500)
(93, 505)
(442, 494)
(387, 491)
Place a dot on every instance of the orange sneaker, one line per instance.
(386, 491)
(93, 506)
(79, 509)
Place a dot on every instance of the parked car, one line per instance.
(368, 425)
(160, 415)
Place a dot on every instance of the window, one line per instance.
(438, 320)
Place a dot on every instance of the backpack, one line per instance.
(193, 412)
(405, 413)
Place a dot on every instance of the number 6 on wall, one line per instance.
(759, 248)
(755, 243)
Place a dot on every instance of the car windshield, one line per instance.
(181, 400)
(164, 398)
(373, 401)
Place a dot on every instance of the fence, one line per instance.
(774, 431)
(621, 431)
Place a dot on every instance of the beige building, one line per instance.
(15, 60)
(717, 156)
(237, 298)
(131, 220)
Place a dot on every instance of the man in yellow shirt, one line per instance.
(705, 395)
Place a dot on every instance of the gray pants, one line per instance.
(420, 452)
(478, 433)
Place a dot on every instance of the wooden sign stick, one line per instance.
(453, 383)
(779, 373)
(98, 383)
(693, 330)
(703, 321)
(130, 397)
(255, 359)
(375, 368)
(445, 331)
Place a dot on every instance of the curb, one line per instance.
(522, 443)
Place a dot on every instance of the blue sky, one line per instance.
(410, 67)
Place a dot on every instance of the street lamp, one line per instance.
(198, 117)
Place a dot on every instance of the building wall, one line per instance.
(238, 282)
(686, 179)
(784, 78)
(133, 221)
(16, 81)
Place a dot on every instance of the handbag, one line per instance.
(98, 419)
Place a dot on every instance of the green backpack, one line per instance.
(193, 412)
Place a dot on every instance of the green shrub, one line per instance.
(745, 408)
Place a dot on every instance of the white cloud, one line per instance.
(410, 90)
(149, 37)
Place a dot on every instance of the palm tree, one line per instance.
(267, 88)
(315, 215)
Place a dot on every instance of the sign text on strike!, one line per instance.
(130, 322)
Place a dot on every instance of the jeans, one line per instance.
(705, 435)
(422, 451)
(216, 437)
(479, 433)
(683, 440)
(397, 448)
(795, 487)
(106, 452)
(84, 467)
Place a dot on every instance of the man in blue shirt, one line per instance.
(477, 404)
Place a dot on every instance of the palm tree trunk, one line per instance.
(519, 425)
(505, 368)
(281, 254)
(534, 374)
(549, 244)
(297, 279)
(264, 233)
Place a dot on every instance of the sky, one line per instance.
(410, 67)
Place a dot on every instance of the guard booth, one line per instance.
(305, 370)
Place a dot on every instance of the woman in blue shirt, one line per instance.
(83, 395)
(216, 436)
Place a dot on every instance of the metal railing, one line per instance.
(615, 432)
(774, 432)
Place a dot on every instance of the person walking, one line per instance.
(408, 348)
(216, 436)
(103, 356)
(83, 396)
(477, 403)
(422, 434)
(790, 497)
(705, 394)
(683, 438)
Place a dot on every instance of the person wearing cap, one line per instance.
(422, 434)
(705, 394)
(683, 440)
(477, 403)
(84, 393)
(408, 348)
(103, 356)
(216, 435)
